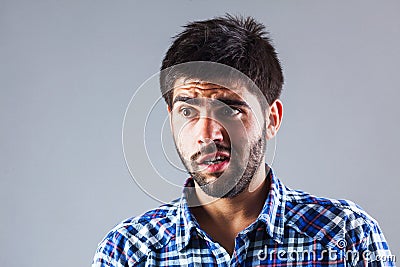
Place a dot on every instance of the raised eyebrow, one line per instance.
(192, 100)
(233, 102)
(196, 101)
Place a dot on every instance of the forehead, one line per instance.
(199, 89)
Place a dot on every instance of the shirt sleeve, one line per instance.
(376, 252)
(116, 251)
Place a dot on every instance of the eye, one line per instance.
(187, 112)
(228, 111)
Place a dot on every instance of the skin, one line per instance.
(231, 122)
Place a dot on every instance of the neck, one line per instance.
(224, 218)
(234, 214)
(248, 202)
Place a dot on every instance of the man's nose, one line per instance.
(209, 129)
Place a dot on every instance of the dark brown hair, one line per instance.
(241, 43)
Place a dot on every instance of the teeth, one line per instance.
(215, 161)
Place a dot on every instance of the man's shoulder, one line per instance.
(155, 224)
(303, 199)
(133, 238)
(327, 219)
(164, 213)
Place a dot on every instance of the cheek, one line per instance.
(242, 141)
(179, 128)
(241, 132)
(184, 138)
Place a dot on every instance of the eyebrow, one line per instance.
(196, 101)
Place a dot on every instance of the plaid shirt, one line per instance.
(293, 229)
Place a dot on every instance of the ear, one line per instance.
(274, 115)
(170, 116)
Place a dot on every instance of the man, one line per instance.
(221, 80)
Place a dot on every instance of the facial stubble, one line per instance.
(237, 177)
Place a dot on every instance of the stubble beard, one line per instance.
(230, 183)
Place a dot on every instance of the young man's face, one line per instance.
(219, 134)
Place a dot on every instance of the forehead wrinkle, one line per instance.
(208, 91)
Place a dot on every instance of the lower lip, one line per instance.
(219, 167)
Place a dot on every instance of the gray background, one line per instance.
(69, 68)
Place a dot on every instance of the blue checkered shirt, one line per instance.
(293, 229)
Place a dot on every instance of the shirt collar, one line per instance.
(272, 213)
(186, 223)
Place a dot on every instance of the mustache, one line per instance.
(213, 148)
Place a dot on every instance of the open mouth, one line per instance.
(214, 163)
(217, 160)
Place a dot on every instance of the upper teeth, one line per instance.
(216, 159)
